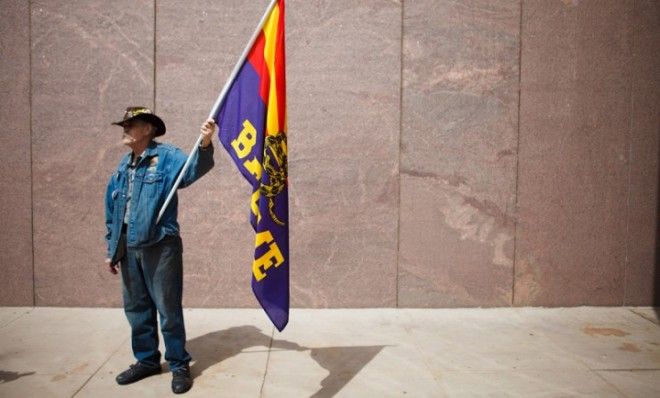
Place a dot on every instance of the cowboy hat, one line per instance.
(142, 113)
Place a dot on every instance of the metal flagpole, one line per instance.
(216, 106)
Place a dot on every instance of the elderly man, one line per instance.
(149, 254)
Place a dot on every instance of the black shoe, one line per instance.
(181, 380)
(136, 372)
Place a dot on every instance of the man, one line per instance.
(149, 253)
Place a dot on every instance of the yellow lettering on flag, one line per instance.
(245, 141)
(254, 205)
(254, 167)
(272, 257)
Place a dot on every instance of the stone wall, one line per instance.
(442, 153)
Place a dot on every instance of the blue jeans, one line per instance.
(152, 281)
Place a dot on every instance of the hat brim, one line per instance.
(149, 118)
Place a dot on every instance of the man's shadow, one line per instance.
(342, 363)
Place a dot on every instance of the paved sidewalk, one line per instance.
(504, 352)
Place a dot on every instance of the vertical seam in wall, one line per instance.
(34, 292)
(626, 260)
(398, 171)
(515, 207)
(154, 61)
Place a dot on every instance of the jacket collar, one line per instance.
(151, 150)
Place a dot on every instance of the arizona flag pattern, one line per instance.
(252, 128)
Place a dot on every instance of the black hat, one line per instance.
(142, 113)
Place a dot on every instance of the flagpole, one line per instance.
(216, 105)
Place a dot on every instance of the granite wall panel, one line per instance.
(574, 152)
(343, 86)
(642, 272)
(458, 153)
(91, 59)
(15, 174)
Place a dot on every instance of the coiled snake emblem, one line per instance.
(275, 165)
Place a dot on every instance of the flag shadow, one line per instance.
(342, 363)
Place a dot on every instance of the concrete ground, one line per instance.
(504, 352)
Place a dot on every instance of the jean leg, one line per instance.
(140, 310)
(163, 265)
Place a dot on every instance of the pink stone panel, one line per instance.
(90, 59)
(458, 153)
(642, 272)
(342, 81)
(574, 153)
(15, 174)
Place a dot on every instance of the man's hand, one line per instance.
(111, 267)
(208, 128)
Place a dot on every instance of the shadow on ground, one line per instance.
(6, 377)
(342, 363)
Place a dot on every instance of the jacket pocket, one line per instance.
(150, 197)
(152, 186)
(152, 178)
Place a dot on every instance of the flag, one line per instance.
(252, 128)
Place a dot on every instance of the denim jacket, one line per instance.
(155, 174)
